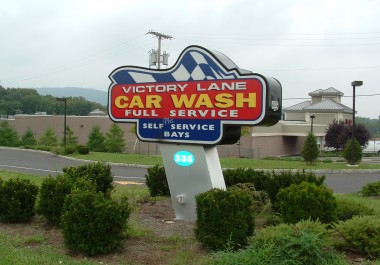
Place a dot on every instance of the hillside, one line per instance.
(90, 94)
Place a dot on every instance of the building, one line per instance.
(325, 105)
(287, 137)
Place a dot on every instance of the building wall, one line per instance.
(294, 116)
(269, 146)
(80, 125)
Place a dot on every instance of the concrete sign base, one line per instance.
(190, 170)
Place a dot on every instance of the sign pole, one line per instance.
(187, 179)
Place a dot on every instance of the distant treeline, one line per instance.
(372, 125)
(28, 101)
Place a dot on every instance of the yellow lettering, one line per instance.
(251, 100)
(153, 100)
(223, 100)
(183, 100)
(121, 102)
(136, 101)
(203, 100)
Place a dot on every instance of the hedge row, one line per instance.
(270, 181)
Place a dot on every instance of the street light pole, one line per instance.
(64, 99)
(353, 84)
(312, 118)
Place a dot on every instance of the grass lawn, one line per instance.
(369, 202)
(137, 159)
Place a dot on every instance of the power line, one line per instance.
(363, 95)
(90, 59)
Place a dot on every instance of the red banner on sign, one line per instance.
(234, 99)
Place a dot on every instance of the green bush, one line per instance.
(224, 218)
(92, 223)
(306, 242)
(43, 147)
(157, 182)
(98, 173)
(52, 195)
(371, 189)
(83, 149)
(58, 150)
(358, 152)
(17, 200)
(69, 150)
(360, 234)
(8, 134)
(306, 200)
(260, 198)
(347, 209)
(270, 182)
(310, 150)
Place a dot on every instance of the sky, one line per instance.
(305, 44)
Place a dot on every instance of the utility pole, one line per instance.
(160, 36)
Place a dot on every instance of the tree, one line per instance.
(48, 139)
(347, 152)
(96, 140)
(310, 149)
(362, 135)
(28, 138)
(115, 142)
(8, 135)
(28, 101)
(372, 125)
(71, 139)
(338, 133)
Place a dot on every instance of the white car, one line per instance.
(373, 147)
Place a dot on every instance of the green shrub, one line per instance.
(8, 134)
(42, 147)
(306, 242)
(17, 200)
(99, 173)
(52, 195)
(270, 182)
(68, 150)
(92, 223)
(346, 209)
(83, 149)
(58, 150)
(260, 198)
(360, 234)
(358, 152)
(224, 218)
(310, 150)
(157, 182)
(306, 200)
(371, 189)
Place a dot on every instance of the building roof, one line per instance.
(97, 112)
(326, 92)
(316, 92)
(298, 107)
(328, 105)
(323, 106)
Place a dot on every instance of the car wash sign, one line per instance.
(192, 101)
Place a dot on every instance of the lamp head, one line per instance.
(356, 83)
